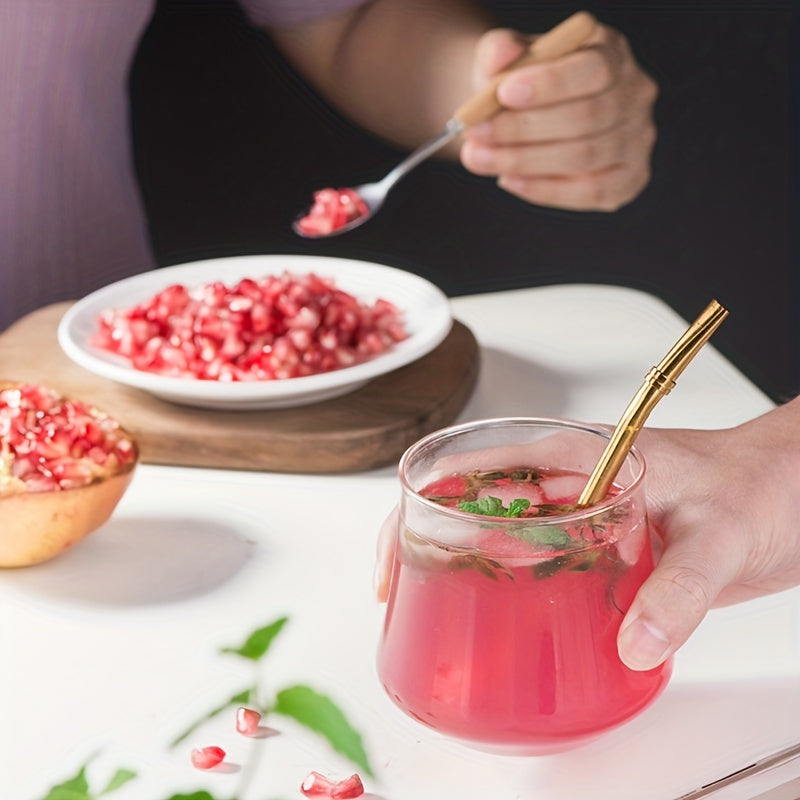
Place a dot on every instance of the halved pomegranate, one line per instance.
(64, 465)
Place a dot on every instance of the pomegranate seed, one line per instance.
(247, 721)
(316, 785)
(349, 787)
(207, 757)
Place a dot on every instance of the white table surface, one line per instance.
(109, 651)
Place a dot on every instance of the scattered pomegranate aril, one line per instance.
(317, 785)
(207, 757)
(275, 327)
(247, 721)
(64, 465)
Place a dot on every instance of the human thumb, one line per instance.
(384, 555)
(673, 600)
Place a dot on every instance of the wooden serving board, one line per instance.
(366, 429)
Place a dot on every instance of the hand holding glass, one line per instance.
(506, 599)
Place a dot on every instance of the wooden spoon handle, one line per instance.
(565, 38)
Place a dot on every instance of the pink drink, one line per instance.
(507, 639)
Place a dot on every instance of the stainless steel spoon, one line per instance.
(565, 38)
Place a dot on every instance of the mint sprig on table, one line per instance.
(313, 710)
(305, 705)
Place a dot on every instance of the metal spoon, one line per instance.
(565, 38)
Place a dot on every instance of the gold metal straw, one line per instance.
(658, 382)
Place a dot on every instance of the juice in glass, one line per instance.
(505, 601)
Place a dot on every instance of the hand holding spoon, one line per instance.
(338, 210)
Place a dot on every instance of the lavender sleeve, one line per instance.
(285, 13)
(71, 215)
(71, 218)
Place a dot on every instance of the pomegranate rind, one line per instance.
(36, 526)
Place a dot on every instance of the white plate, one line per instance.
(425, 308)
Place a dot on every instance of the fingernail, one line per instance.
(642, 646)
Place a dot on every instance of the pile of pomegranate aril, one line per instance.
(275, 327)
(49, 442)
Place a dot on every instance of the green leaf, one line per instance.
(488, 506)
(61, 793)
(258, 642)
(489, 567)
(121, 777)
(239, 699)
(517, 506)
(554, 538)
(76, 788)
(193, 796)
(580, 561)
(321, 715)
(547, 569)
(493, 507)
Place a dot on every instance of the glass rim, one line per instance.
(598, 429)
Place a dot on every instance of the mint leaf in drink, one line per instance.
(259, 641)
(547, 569)
(493, 507)
(321, 715)
(516, 507)
(543, 535)
(581, 561)
(489, 567)
(488, 506)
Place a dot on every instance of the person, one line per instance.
(726, 505)
(578, 132)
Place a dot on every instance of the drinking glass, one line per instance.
(501, 631)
